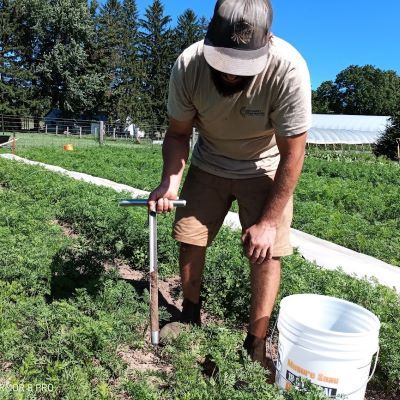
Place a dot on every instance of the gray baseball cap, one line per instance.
(238, 35)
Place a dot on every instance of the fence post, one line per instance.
(80, 132)
(45, 129)
(67, 130)
(13, 144)
(56, 129)
(101, 133)
(114, 133)
(2, 122)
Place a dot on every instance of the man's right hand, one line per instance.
(175, 152)
(159, 199)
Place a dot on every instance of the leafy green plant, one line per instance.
(71, 339)
(353, 198)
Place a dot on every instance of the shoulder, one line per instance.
(190, 68)
(191, 57)
(284, 55)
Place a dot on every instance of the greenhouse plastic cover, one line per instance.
(346, 129)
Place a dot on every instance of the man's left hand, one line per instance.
(258, 242)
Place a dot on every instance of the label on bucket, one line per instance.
(334, 377)
(295, 372)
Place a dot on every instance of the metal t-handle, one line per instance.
(144, 202)
(154, 320)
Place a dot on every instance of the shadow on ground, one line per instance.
(75, 267)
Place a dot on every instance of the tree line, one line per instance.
(364, 90)
(85, 58)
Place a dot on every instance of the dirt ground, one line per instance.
(169, 290)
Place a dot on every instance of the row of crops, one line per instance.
(353, 203)
(64, 316)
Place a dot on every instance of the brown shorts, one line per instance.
(209, 198)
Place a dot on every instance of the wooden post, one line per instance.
(56, 129)
(67, 130)
(80, 132)
(398, 149)
(13, 144)
(101, 133)
(114, 133)
(2, 122)
(45, 129)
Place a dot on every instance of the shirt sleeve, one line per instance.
(180, 106)
(291, 113)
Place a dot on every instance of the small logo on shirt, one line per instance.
(249, 112)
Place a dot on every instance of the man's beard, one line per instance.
(225, 89)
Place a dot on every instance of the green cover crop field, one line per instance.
(73, 327)
(351, 202)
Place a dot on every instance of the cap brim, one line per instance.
(236, 62)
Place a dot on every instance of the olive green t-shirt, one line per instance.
(237, 133)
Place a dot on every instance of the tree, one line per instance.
(157, 52)
(65, 71)
(324, 97)
(18, 47)
(109, 45)
(360, 91)
(11, 92)
(190, 29)
(387, 144)
(118, 41)
(131, 100)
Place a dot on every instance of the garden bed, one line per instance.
(354, 200)
(71, 320)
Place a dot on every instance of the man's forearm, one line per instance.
(175, 153)
(285, 181)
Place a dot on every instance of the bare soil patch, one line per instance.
(66, 228)
(143, 360)
(169, 290)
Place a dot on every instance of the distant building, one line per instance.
(346, 129)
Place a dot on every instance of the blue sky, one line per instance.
(331, 35)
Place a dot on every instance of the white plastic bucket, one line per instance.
(329, 341)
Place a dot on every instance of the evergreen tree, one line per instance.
(18, 48)
(132, 100)
(66, 72)
(190, 29)
(158, 54)
(93, 6)
(110, 43)
(389, 142)
(118, 41)
(11, 92)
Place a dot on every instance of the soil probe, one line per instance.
(153, 261)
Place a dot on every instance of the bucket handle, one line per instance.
(275, 362)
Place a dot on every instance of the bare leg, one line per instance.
(191, 262)
(265, 280)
